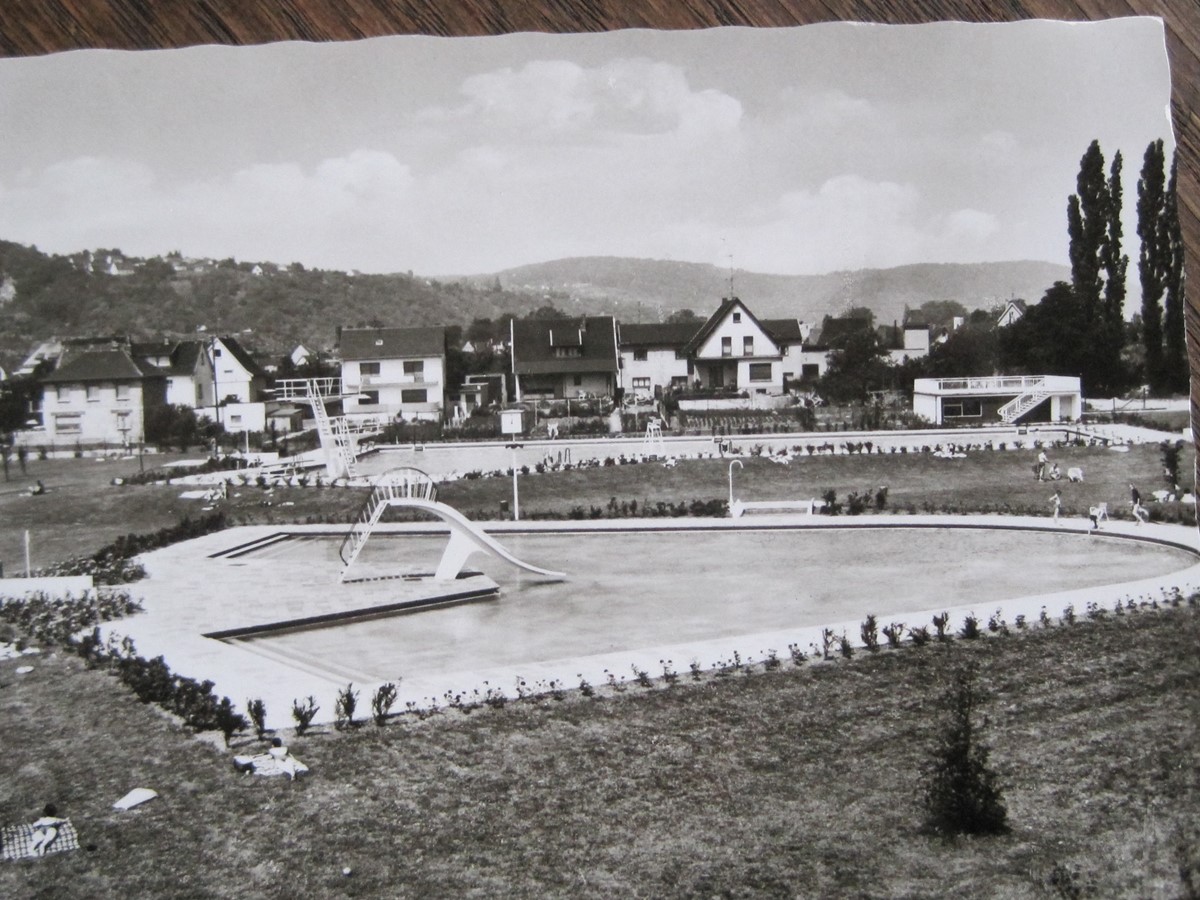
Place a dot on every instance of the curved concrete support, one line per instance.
(465, 538)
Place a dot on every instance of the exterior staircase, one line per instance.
(1034, 394)
(415, 485)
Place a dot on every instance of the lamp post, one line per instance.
(738, 463)
(516, 499)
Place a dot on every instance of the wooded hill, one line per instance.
(105, 292)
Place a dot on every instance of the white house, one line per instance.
(101, 396)
(654, 356)
(736, 351)
(398, 372)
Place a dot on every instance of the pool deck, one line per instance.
(174, 624)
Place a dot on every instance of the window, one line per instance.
(639, 355)
(810, 370)
(679, 381)
(737, 317)
(727, 346)
(567, 352)
(681, 354)
(122, 392)
(748, 345)
(368, 398)
(577, 380)
(760, 371)
(368, 368)
(414, 395)
(235, 420)
(641, 384)
(93, 393)
(959, 409)
(62, 393)
(415, 367)
(67, 424)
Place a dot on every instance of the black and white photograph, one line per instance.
(717, 462)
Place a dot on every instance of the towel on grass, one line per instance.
(17, 841)
(268, 764)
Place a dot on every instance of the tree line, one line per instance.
(1077, 328)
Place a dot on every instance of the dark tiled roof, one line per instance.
(246, 361)
(101, 365)
(784, 331)
(664, 334)
(534, 353)
(393, 343)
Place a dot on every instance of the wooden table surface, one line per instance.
(30, 27)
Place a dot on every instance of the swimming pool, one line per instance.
(630, 590)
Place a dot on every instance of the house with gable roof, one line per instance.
(397, 372)
(237, 378)
(188, 367)
(563, 358)
(101, 395)
(737, 351)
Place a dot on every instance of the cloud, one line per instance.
(561, 100)
(278, 211)
(847, 222)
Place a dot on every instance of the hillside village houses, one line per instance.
(101, 389)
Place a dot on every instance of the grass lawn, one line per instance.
(82, 511)
(796, 782)
(984, 481)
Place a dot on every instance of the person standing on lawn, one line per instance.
(1056, 504)
(1140, 516)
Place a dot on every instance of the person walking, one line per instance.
(1056, 504)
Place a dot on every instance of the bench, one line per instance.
(741, 507)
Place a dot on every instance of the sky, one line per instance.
(791, 151)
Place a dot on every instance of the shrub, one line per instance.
(382, 701)
(870, 633)
(344, 707)
(228, 720)
(893, 633)
(844, 645)
(257, 711)
(940, 623)
(304, 713)
(920, 636)
(970, 628)
(962, 795)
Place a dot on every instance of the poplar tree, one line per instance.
(1087, 227)
(1153, 259)
(1116, 265)
(1175, 361)
(1097, 269)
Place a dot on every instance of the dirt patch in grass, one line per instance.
(800, 781)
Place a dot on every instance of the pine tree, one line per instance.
(962, 793)
(1175, 363)
(1152, 259)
